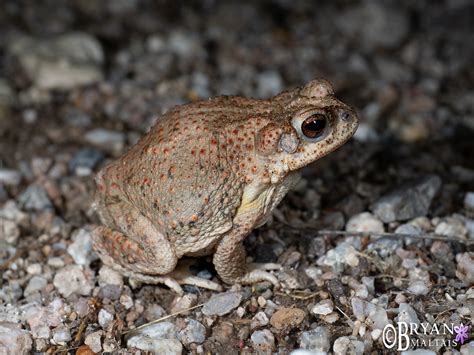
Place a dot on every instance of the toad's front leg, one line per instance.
(229, 258)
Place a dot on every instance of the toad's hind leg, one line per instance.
(139, 250)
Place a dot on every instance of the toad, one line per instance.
(207, 174)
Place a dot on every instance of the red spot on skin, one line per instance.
(194, 218)
(163, 177)
(172, 190)
(193, 152)
(242, 165)
(114, 185)
(254, 169)
(101, 187)
(231, 157)
(213, 141)
(235, 131)
(230, 141)
(166, 151)
(225, 174)
(202, 151)
(223, 146)
(206, 199)
(146, 181)
(172, 169)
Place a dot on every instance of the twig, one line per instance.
(163, 318)
(431, 236)
(303, 296)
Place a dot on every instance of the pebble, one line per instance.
(72, 279)
(61, 335)
(62, 62)
(222, 303)
(81, 247)
(194, 332)
(10, 177)
(162, 330)
(35, 198)
(418, 287)
(374, 24)
(84, 161)
(365, 222)
(14, 340)
(348, 345)
(419, 352)
(337, 258)
(36, 283)
(105, 318)
(407, 314)
(9, 231)
(467, 349)
(287, 318)
(269, 83)
(451, 227)
(385, 246)
(156, 346)
(106, 139)
(323, 308)
(108, 276)
(259, 320)
(465, 267)
(317, 340)
(181, 303)
(408, 201)
(93, 340)
(263, 341)
(468, 200)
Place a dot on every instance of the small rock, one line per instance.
(317, 340)
(93, 340)
(63, 62)
(194, 332)
(162, 330)
(385, 246)
(410, 200)
(269, 83)
(61, 335)
(451, 227)
(259, 320)
(468, 200)
(84, 161)
(419, 352)
(156, 346)
(36, 283)
(106, 139)
(286, 318)
(348, 345)
(466, 349)
(365, 222)
(72, 279)
(81, 248)
(323, 308)
(108, 276)
(154, 312)
(418, 287)
(407, 314)
(105, 318)
(14, 340)
(10, 177)
(263, 341)
(181, 303)
(222, 303)
(465, 267)
(9, 230)
(35, 198)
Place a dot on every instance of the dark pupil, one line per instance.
(314, 126)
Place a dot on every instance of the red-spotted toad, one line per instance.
(208, 173)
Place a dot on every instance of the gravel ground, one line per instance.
(80, 81)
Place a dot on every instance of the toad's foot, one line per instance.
(258, 272)
(173, 279)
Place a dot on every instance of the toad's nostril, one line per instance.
(345, 115)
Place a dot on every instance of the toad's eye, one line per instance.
(314, 126)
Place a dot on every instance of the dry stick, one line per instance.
(163, 318)
(431, 236)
